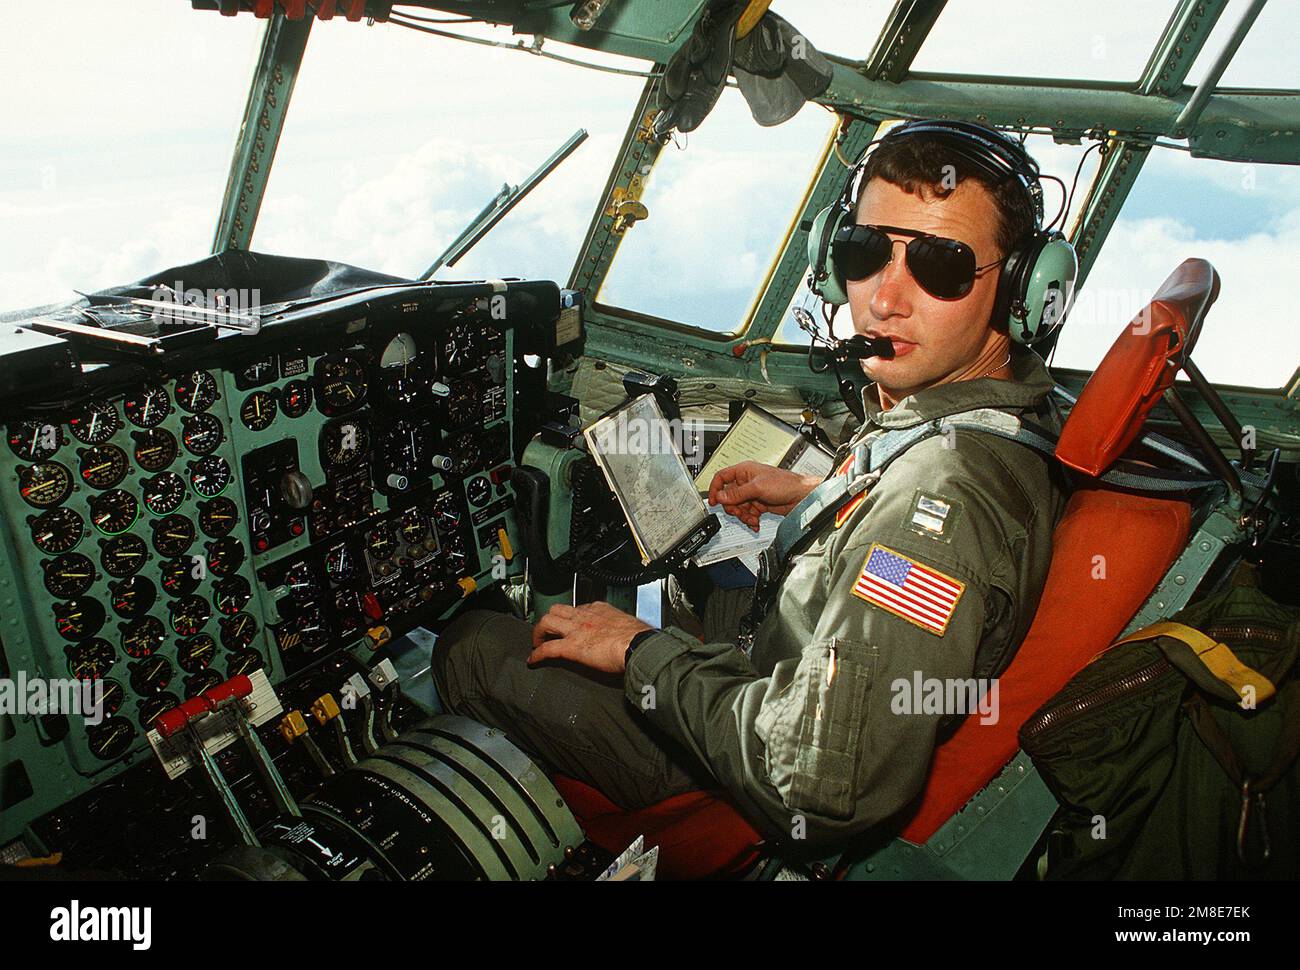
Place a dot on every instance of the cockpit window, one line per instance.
(1243, 218)
(720, 206)
(1265, 59)
(113, 161)
(836, 27)
(434, 128)
(1109, 40)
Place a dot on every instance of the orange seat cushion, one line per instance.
(698, 834)
(1086, 602)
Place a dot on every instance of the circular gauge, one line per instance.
(151, 707)
(340, 383)
(189, 614)
(111, 698)
(414, 526)
(111, 739)
(143, 636)
(302, 582)
(343, 443)
(96, 423)
(445, 511)
(210, 476)
(340, 564)
(406, 448)
(404, 371)
(91, 660)
(295, 399)
(238, 631)
(458, 348)
(244, 662)
(258, 411)
(218, 517)
(35, 440)
(163, 493)
(45, 484)
(478, 491)
(196, 392)
(465, 405)
(69, 575)
(201, 433)
(104, 466)
(203, 681)
(196, 653)
(225, 556)
(178, 577)
(466, 454)
(57, 530)
(78, 619)
(151, 675)
(148, 407)
(380, 543)
(173, 535)
(231, 595)
(123, 555)
(114, 512)
(155, 449)
(132, 597)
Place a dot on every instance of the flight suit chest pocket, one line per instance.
(812, 728)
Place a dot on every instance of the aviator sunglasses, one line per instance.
(945, 268)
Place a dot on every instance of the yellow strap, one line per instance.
(752, 15)
(1218, 658)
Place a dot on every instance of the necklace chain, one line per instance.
(997, 368)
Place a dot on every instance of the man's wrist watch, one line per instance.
(636, 642)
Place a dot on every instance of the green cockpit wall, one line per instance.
(1129, 119)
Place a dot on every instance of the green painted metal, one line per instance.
(905, 30)
(558, 464)
(283, 45)
(1183, 38)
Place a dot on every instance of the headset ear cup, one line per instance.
(1045, 288)
(827, 281)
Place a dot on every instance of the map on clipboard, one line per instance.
(761, 436)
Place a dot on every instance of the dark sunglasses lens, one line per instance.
(860, 251)
(944, 267)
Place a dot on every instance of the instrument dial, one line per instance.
(112, 698)
(69, 575)
(196, 653)
(244, 662)
(404, 372)
(45, 484)
(151, 707)
(151, 675)
(78, 619)
(295, 399)
(133, 597)
(180, 576)
(189, 614)
(210, 476)
(203, 681)
(343, 443)
(96, 423)
(123, 555)
(341, 383)
(313, 630)
(142, 637)
(380, 543)
(231, 595)
(104, 466)
(197, 391)
(225, 556)
(201, 433)
(155, 449)
(414, 526)
(111, 739)
(57, 530)
(163, 493)
(114, 512)
(340, 564)
(301, 581)
(148, 407)
(91, 660)
(173, 535)
(478, 491)
(218, 517)
(238, 631)
(35, 440)
(258, 410)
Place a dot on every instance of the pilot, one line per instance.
(810, 726)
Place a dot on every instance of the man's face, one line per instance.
(935, 340)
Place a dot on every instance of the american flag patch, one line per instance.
(908, 589)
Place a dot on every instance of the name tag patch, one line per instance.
(932, 515)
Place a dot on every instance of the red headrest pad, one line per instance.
(1140, 365)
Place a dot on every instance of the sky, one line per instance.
(113, 166)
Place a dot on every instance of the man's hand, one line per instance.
(595, 635)
(750, 488)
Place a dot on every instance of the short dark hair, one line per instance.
(918, 164)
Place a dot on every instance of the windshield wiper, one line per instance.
(502, 203)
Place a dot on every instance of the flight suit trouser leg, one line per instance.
(574, 720)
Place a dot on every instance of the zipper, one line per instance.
(1070, 710)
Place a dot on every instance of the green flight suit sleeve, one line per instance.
(831, 743)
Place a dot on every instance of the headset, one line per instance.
(1036, 281)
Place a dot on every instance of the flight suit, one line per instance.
(933, 574)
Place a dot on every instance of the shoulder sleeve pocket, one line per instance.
(811, 724)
